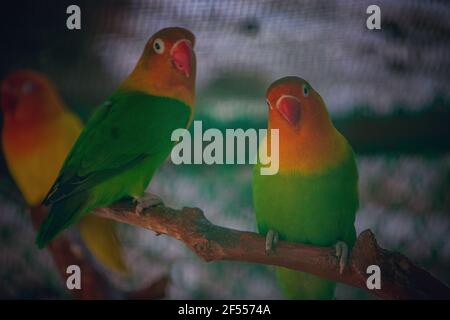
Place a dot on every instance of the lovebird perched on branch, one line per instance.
(38, 133)
(129, 135)
(313, 198)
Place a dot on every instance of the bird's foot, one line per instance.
(342, 254)
(271, 241)
(148, 200)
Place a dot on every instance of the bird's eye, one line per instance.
(268, 103)
(305, 90)
(27, 87)
(158, 46)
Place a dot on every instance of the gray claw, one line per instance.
(271, 241)
(148, 200)
(342, 254)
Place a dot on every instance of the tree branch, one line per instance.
(94, 284)
(400, 278)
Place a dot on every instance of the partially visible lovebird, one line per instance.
(313, 198)
(129, 135)
(38, 133)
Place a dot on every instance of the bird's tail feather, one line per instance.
(100, 237)
(61, 215)
(300, 285)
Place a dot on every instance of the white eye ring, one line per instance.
(268, 104)
(27, 87)
(158, 46)
(305, 90)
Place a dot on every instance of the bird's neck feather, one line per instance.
(154, 82)
(313, 148)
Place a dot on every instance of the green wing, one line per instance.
(129, 128)
(125, 130)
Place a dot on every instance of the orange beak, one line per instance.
(289, 107)
(182, 56)
(9, 99)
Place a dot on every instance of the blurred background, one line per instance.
(387, 90)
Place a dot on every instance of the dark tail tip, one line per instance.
(44, 236)
(41, 241)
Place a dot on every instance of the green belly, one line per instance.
(130, 183)
(313, 209)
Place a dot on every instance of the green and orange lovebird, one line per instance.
(313, 198)
(38, 133)
(129, 135)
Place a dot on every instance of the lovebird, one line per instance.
(128, 136)
(313, 198)
(38, 133)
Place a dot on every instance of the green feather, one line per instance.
(316, 209)
(116, 155)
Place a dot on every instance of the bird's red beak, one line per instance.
(289, 107)
(182, 55)
(9, 99)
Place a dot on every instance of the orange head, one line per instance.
(308, 140)
(167, 66)
(28, 96)
(295, 106)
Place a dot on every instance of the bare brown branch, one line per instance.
(400, 278)
(94, 284)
